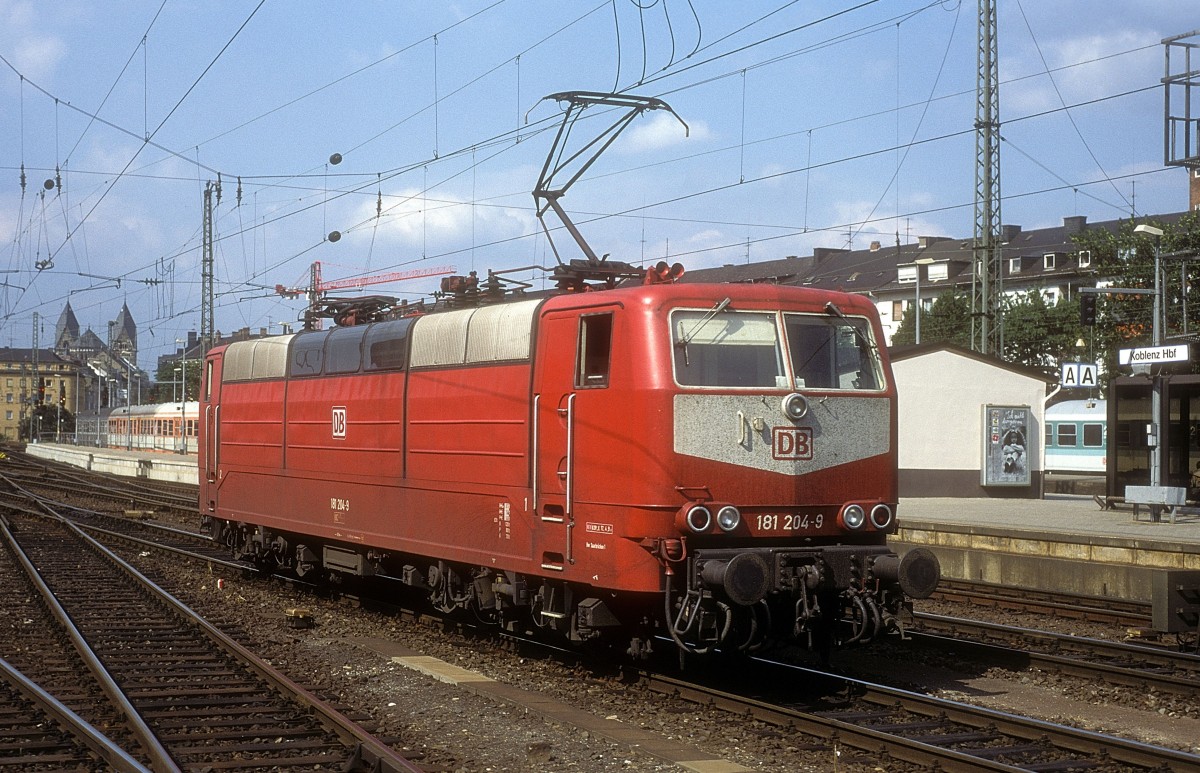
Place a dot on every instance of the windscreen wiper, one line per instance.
(687, 338)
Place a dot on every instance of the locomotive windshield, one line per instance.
(745, 349)
(832, 353)
(731, 349)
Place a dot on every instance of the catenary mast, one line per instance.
(987, 327)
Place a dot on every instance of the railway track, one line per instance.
(36, 729)
(906, 726)
(184, 694)
(120, 492)
(1118, 663)
(1095, 609)
(874, 722)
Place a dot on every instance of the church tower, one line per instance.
(66, 332)
(123, 335)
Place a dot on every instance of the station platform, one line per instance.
(167, 467)
(1063, 542)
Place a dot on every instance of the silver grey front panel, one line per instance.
(751, 431)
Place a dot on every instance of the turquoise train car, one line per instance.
(1077, 437)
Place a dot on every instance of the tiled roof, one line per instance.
(876, 269)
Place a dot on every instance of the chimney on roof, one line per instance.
(1009, 233)
(821, 254)
(1074, 224)
(875, 246)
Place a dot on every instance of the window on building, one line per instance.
(906, 274)
(897, 310)
(1014, 265)
(1048, 261)
(8, 415)
(1085, 258)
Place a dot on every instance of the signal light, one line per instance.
(1087, 309)
(662, 273)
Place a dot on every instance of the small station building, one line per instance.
(969, 425)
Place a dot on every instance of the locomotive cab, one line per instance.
(789, 411)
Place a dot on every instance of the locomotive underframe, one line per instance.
(743, 598)
(727, 598)
(513, 601)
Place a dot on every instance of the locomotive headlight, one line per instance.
(853, 517)
(795, 406)
(729, 518)
(881, 516)
(699, 518)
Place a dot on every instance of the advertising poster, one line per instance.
(1007, 453)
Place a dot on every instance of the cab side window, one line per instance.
(594, 351)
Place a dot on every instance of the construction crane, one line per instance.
(317, 287)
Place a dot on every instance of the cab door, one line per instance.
(210, 410)
(572, 361)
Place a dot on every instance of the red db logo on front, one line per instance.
(339, 422)
(791, 443)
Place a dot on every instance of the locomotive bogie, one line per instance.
(715, 461)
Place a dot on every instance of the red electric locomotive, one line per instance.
(716, 463)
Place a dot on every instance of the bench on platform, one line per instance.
(1156, 499)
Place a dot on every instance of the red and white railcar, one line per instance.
(166, 427)
(714, 462)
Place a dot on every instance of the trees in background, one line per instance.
(1041, 335)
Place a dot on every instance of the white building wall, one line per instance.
(940, 415)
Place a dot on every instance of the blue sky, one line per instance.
(810, 124)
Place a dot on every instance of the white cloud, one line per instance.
(661, 130)
(37, 57)
(34, 53)
(1079, 83)
(414, 221)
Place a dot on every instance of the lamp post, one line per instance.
(1153, 435)
(918, 263)
(128, 406)
(182, 396)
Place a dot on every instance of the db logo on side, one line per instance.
(339, 421)
(789, 443)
